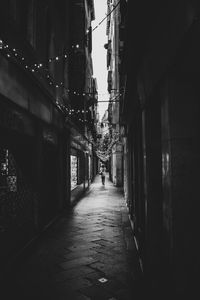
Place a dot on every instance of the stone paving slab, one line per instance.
(88, 253)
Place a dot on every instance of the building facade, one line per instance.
(159, 117)
(113, 64)
(45, 114)
(83, 96)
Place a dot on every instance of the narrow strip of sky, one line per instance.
(99, 39)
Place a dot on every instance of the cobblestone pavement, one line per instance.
(88, 253)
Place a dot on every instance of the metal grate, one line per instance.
(16, 194)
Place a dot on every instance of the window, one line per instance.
(31, 23)
(74, 171)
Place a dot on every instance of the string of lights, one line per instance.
(55, 58)
(78, 114)
(104, 155)
(40, 67)
(68, 112)
(13, 53)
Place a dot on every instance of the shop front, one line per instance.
(74, 171)
(18, 195)
(30, 165)
(79, 165)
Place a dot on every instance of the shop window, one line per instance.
(74, 171)
(31, 20)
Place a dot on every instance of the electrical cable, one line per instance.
(106, 16)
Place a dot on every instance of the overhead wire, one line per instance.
(106, 16)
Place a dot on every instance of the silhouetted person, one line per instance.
(103, 174)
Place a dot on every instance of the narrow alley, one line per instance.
(89, 87)
(88, 253)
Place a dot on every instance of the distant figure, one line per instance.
(103, 174)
